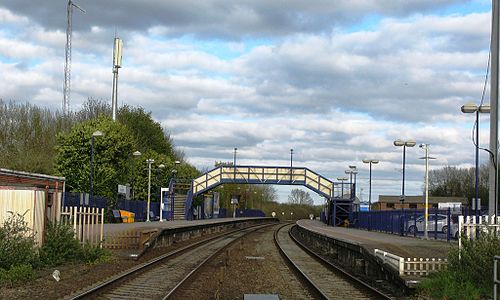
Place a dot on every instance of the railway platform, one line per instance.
(407, 247)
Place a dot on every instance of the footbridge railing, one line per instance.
(264, 175)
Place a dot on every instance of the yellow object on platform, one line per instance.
(127, 216)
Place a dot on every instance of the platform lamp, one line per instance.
(149, 161)
(352, 171)
(404, 144)
(342, 179)
(135, 154)
(469, 108)
(370, 162)
(95, 134)
(426, 215)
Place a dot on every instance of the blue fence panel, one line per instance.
(410, 222)
(82, 199)
(137, 207)
(222, 213)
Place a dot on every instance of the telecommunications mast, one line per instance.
(117, 63)
(67, 65)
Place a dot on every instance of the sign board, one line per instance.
(124, 190)
(452, 205)
(216, 204)
(208, 206)
(234, 200)
(165, 203)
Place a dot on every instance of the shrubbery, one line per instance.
(467, 277)
(19, 256)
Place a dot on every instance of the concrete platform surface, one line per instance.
(115, 227)
(406, 247)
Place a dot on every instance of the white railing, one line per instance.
(87, 223)
(469, 227)
(412, 266)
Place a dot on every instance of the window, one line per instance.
(413, 205)
(390, 205)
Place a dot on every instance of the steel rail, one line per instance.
(338, 269)
(156, 261)
(313, 288)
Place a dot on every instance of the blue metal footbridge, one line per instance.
(339, 202)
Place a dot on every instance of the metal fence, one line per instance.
(82, 199)
(442, 224)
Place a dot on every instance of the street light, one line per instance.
(427, 157)
(352, 171)
(95, 134)
(342, 179)
(404, 144)
(371, 162)
(469, 108)
(291, 165)
(136, 153)
(149, 162)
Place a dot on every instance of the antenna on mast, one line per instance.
(67, 64)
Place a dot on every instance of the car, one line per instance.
(440, 221)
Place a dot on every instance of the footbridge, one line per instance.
(339, 195)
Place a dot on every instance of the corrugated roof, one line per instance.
(20, 178)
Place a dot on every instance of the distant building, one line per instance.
(36, 196)
(387, 202)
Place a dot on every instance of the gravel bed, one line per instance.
(252, 265)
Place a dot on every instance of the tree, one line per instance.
(298, 196)
(458, 182)
(148, 133)
(111, 156)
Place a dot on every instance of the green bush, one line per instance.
(470, 271)
(17, 243)
(60, 246)
(16, 274)
(93, 254)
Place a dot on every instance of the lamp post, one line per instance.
(426, 216)
(469, 108)
(234, 163)
(95, 134)
(352, 171)
(404, 144)
(342, 179)
(370, 162)
(291, 165)
(136, 153)
(149, 162)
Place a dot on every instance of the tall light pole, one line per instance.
(426, 217)
(352, 171)
(96, 133)
(469, 108)
(135, 154)
(234, 163)
(494, 47)
(342, 179)
(370, 162)
(404, 144)
(149, 162)
(291, 165)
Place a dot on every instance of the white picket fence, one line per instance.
(411, 266)
(470, 227)
(87, 223)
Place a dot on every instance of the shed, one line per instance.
(36, 196)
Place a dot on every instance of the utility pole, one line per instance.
(492, 203)
(67, 64)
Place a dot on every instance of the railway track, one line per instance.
(161, 277)
(324, 280)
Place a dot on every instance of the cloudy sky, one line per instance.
(336, 80)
